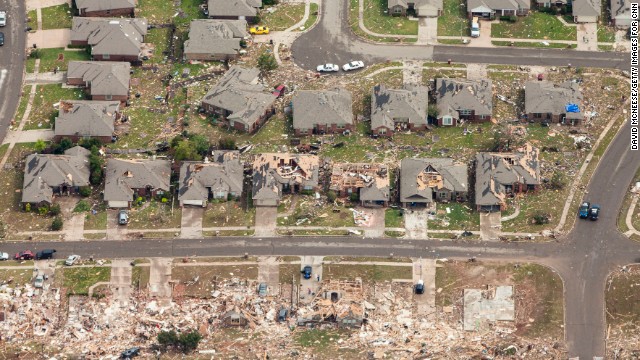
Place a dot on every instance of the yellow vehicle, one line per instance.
(259, 30)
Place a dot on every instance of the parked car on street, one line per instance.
(39, 281)
(24, 255)
(306, 272)
(328, 68)
(259, 30)
(3, 18)
(129, 353)
(45, 254)
(262, 289)
(4, 256)
(72, 259)
(353, 65)
(1, 38)
(123, 217)
(594, 212)
(584, 210)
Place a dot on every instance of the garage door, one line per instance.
(193, 202)
(118, 204)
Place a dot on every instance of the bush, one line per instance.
(541, 218)
(43, 210)
(557, 181)
(307, 192)
(55, 210)
(354, 197)
(511, 18)
(227, 144)
(267, 62)
(82, 206)
(57, 224)
(547, 10)
(164, 200)
(84, 191)
(27, 207)
(331, 196)
(186, 341)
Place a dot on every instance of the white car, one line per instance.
(39, 281)
(4, 256)
(71, 260)
(328, 68)
(353, 65)
(3, 18)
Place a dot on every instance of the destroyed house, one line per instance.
(502, 175)
(110, 39)
(48, 175)
(102, 80)
(234, 9)
(126, 180)
(461, 99)
(218, 178)
(620, 11)
(369, 181)
(322, 112)
(421, 8)
(425, 181)
(339, 302)
(215, 39)
(547, 102)
(240, 100)
(398, 109)
(490, 9)
(86, 119)
(275, 174)
(586, 11)
(483, 308)
(105, 8)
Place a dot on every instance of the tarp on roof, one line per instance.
(572, 108)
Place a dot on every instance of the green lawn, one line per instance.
(393, 218)
(156, 11)
(368, 273)
(229, 213)
(42, 112)
(453, 21)
(22, 106)
(19, 277)
(606, 34)
(313, 16)
(96, 222)
(154, 215)
(52, 58)
(377, 21)
(78, 280)
(32, 19)
(284, 16)
(317, 215)
(460, 217)
(56, 17)
(536, 25)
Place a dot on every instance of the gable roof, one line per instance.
(272, 170)
(495, 170)
(472, 5)
(44, 171)
(113, 36)
(233, 7)
(239, 93)
(586, 7)
(122, 176)
(462, 94)
(547, 97)
(86, 118)
(621, 9)
(420, 177)
(215, 36)
(100, 5)
(388, 104)
(223, 174)
(421, 5)
(104, 77)
(322, 107)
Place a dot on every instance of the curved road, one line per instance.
(12, 56)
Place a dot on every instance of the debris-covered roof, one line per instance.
(104, 77)
(272, 170)
(419, 178)
(233, 7)
(372, 180)
(547, 97)
(215, 36)
(453, 95)
(223, 173)
(86, 118)
(122, 176)
(322, 107)
(101, 5)
(387, 105)
(112, 36)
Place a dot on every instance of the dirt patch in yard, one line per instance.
(200, 281)
(623, 313)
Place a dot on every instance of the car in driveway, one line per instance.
(328, 68)
(39, 281)
(24, 255)
(259, 30)
(419, 288)
(45, 254)
(594, 212)
(123, 217)
(306, 272)
(4, 256)
(584, 210)
(262, 289)
(353, 65)
(129, 353)
(1, 38)
(72, 259)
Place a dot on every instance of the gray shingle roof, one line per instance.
(215, 36)
(322, 107)
(233, 7)
(454, 178)
(122, 176)
(44, 171)
(387, 104)
(586, 7)
(621, 9)
(272, 170)
(239, 93)
(223, 174)
(418, 4)
(105, 78)
(86, 118)
(100, 5)
(498, 4)
(461, 94)
(112, 36)
(547, 97)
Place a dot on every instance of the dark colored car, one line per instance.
(129, 353)
(1, 38)
(45, 254)
(24, 255)
(282, 314)
(584, 210)
(419, 287)
(306, 272)
(594, 212)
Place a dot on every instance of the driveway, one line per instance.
(375, 226)
(115, 231)
(490, 226)
(266, 221)
(28, 136)
(269, 272)
(588, 37)
(121, 271)
(415, 223)
(159, 277)
(48, 39)
(425, 270)
(73, 228)
(191, 222)
(427, 31)
(308, 287)
(35, 4)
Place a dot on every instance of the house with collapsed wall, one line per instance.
(102, 80)
(322, 112)
(105, 8)
(461, 100)
(126, 180)
(220, 177)
(427, 180)
(111, 39)
(547, 102)
(275, 174)
(86, 119)
(48, 175)
(234, 9)
(421, 8)
(340, 302)
(499, 176)
(215, 39)
(369, 181)
(398, 109)
(240, 100)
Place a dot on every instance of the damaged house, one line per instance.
(462, 99)
(586, 11)
(105, 8)
(340, 302)
(322, 112)
(620, 11)
(425, 181)
(126, 180)
(102, 80)
(48, 175)
(490, 9)
(110, 39)
(86, 119)
(398, 109)
(218, 178)
(275, 174)
(547, 102)
(215, 39)
(234, 9)
(369, 181)
(240, 100)
(502, 175)
(421, 8)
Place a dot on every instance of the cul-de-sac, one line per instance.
(318, 179)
